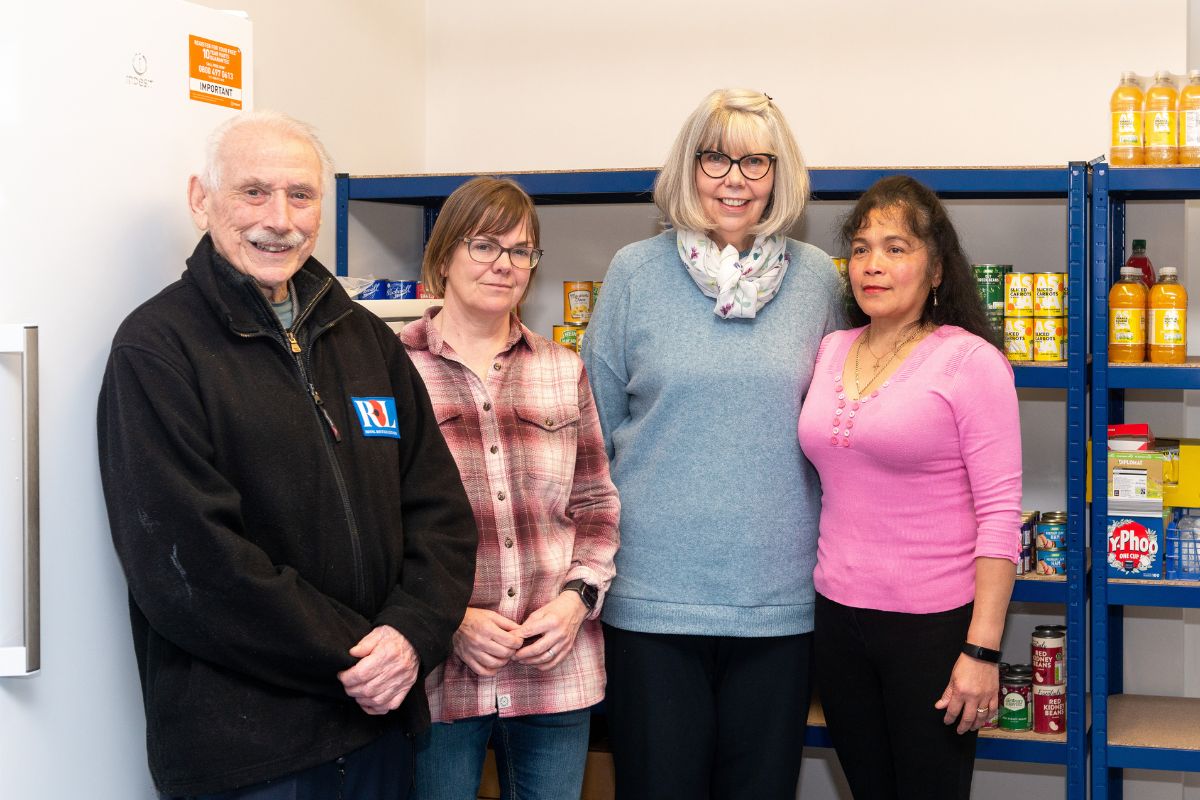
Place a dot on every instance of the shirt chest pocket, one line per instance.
(542, 451)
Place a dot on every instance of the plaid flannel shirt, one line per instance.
(531, 454)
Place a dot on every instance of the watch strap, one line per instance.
(981, 653)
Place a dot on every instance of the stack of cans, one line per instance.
(1050, 541)
(579, 298)
(990, 279)
(1048, 650)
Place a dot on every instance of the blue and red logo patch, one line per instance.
(377, 416)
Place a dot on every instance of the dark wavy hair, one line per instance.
(920, 210)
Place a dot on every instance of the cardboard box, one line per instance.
(1135, 545)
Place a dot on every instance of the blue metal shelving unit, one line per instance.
(1069, 183)
(1111, 188)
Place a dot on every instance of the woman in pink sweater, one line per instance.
(911, 421)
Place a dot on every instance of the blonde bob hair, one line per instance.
(738, 121)
(483, 205)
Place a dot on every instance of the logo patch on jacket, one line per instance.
(377, 415)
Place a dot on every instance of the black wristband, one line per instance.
(981, 653)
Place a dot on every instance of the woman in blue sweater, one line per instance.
(699, 352)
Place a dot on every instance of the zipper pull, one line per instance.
(316, 396)
(292, 341)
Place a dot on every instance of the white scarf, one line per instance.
(741, 286)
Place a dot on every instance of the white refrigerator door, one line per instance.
(99, 134)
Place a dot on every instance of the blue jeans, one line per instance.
(538, 757)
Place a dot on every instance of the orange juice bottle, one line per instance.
(1127, 318)
(1160, 116)
(1189, 120)
(1126, 107)
(1168, 319)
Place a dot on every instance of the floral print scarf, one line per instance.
(741, 285)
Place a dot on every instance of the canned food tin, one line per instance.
(1018, 294)
(375, 290)
(1046, 651)
(1049, 709)
(996, 323)
(1049, 338)
(990, 280)
(568, 335)
(596, 292)
(1018, 338)
(401, 290)
(1052, 562)
(1049, 294)
(842, 265)
(1052, 533)
(577, 302)
(1016, 697)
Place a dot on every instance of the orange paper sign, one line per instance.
(216, 72)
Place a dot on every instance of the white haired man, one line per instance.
(294, 533)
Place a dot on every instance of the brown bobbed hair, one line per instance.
(919, 209)
(484, 205)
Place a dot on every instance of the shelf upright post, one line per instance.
(1104, 782)
(1076, 478)
(342, 214)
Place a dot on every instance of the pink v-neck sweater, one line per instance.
(918, 479)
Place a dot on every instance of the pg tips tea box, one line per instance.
(1135, 545)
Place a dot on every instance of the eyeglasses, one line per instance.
(485, 251)
(717, 165)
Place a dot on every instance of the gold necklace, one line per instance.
(858, 386)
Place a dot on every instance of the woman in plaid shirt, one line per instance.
(518, 415)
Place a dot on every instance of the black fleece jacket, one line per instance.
(261, 532)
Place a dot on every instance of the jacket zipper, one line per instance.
(300, 358)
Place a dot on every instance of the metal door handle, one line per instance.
(24, 657)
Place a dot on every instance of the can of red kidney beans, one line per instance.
(1047, 654)
(1049, 709)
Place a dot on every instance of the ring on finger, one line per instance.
(550, 652)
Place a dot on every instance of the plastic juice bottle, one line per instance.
(1168, 319)
(1160, 116)
(1189, 120)
(1127, 318)
(1140, 260)
(1126, 107)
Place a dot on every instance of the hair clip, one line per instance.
(768, 96)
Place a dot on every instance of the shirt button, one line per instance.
(508, 542)
(496, 366)
(512, 592)
(493, 449)
(487, 406)
(549, 422)
(499, 495)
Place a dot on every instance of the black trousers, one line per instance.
(381, 770)
(706, 716)
(878, 674)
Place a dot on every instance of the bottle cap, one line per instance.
(1129, 76)
(1194, 74)
(1163, 75)
(1139, 244)
(1168, 271)
(1131, 272)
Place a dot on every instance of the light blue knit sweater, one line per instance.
(719, 508)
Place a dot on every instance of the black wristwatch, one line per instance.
(588, 593)
(981, 653)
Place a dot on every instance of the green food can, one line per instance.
(990, 279)
(1016, 698)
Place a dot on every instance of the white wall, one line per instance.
(355, 70)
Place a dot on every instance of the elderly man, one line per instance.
(296, 539)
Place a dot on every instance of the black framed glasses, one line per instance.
(485, 251)
(753, 167)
